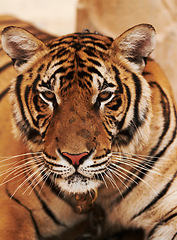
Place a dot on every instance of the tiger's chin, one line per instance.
(77, 184)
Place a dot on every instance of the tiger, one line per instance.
(88, 136)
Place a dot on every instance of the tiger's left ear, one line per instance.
(20, 45)
(135, 44)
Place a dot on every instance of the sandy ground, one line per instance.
(55, 16)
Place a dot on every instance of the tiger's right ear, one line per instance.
(20, 45)
(135, 45)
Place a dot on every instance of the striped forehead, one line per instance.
(77, 56)
(79, 40)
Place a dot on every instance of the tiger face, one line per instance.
(78, 99)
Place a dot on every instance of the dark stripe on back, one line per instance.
(3, 94)
(149, 166)
(173, 238)
(166, 116)
(158, 197)
(45, 207)
(30, 212)
(163, 222)
(4, 67)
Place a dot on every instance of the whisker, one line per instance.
(14, 168)
(35, 180)
(20, 170)
(135, 161)
(16, 176)
(113, 182)
(17, 165)
(121, 174)
(45, 176)
(141, 156)
(27, 180)
(135, 175)
(138, 167)
(103, 180)
(118, 176)
(110, 179)
(17, 156)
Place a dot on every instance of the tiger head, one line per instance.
(79, 98)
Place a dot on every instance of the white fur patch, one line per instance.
(77, 184)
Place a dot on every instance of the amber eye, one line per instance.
(49, 96)
(103, 96)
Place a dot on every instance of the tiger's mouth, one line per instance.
(77, 179)
(77, 183)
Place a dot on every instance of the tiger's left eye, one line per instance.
(103, 96)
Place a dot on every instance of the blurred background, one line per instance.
(55, 16)
(110, 17)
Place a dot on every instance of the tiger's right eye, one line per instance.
(48, 96)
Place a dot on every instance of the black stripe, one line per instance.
(94, 62)
(82, 74)
(27, 92)
(45, 207)
(118, 79)
(95, 43)
(146, 73)
(128, 133)
(89, 52)
(59, 53)
(160, 224)
(69, 76)
(166, 116)
(158, 197)
(128, 94)
(109, 133)
(94, 70)
(9, 64)
(143, 172)
(18, 94)
(59, 70)
(60, 62)
(3, 94)
(30, 212)
(116, 105)
(173, 238)
(138, 91)
(35, 82)
(50, 157)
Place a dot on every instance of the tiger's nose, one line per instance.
(75, 159)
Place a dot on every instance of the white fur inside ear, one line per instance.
(19, 44)
(134, 45)
(17, 47)
(138, 43)
(24, 43)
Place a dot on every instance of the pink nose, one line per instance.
(75, 158)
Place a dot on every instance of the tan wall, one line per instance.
(112, 17)
(54, 16)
